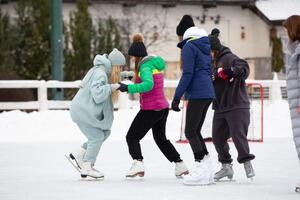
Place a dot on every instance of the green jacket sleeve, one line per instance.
(147, 81)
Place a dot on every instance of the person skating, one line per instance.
(92, 110)
(154, 109)
(196, 84)
(292, 25)
(231, 108)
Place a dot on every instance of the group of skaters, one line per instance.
(211, 73)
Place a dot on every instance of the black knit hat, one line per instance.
(215, 43)
(185, 23)
(137, 48)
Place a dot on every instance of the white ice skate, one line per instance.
(137, 170)
(180, 169)
(76, 158)
(88, 171)
(225, 171)
(297, 188)
(249, 170)
(202, 175)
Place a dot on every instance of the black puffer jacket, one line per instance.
(230, 95)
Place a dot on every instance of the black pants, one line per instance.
(232, 124)
(142, 123)
(195, 116)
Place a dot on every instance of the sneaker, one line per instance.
(202, 174)
(136, 170)
(225, 171)
(88, 171)
(249, 169)
(180, 169)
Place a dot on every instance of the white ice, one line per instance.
(33, 167)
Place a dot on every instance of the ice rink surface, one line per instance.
(35, 171)
(33, 166)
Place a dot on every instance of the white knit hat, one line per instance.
(194, 31)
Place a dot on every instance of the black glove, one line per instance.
(123, 87)
(175, 105)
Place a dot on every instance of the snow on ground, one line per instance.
(17, 126)
(33, 167)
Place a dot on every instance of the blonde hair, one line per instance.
(115, 78)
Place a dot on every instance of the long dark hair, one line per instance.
(137, 61)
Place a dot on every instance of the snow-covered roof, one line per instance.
(278, 9)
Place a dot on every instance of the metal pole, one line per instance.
(56, 46)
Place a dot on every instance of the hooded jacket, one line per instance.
(231, 95)
(196, 79)
(92, 105)
(293, 90)
(150, 84)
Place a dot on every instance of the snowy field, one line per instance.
(33, 167)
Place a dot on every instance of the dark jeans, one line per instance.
(195, 116)
(232, 124)
(142, 123)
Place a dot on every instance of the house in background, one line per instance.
(274, 12)
(244, 24)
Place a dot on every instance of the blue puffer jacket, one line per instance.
(196, 80)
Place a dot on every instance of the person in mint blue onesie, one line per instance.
(92, 110)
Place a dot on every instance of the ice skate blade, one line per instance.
(135, 177)
(182, 175)
(224, 180)
(197, 184)
(72, 162)
(251, 179)
(88, 178)
(204, 183)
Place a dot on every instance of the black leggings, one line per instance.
(142, 123)
(195, 116)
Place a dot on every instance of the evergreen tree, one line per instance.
(277, 55)
(32, 51)
(277, 52)
(107, 37)
(78, 42)
(6, 44)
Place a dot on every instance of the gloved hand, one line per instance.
(225, 74)
(175, 105)
(222, 74)
(114, 86)
(123, 87)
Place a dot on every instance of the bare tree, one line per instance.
(152, 23)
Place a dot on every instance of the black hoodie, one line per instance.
(230, 95)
